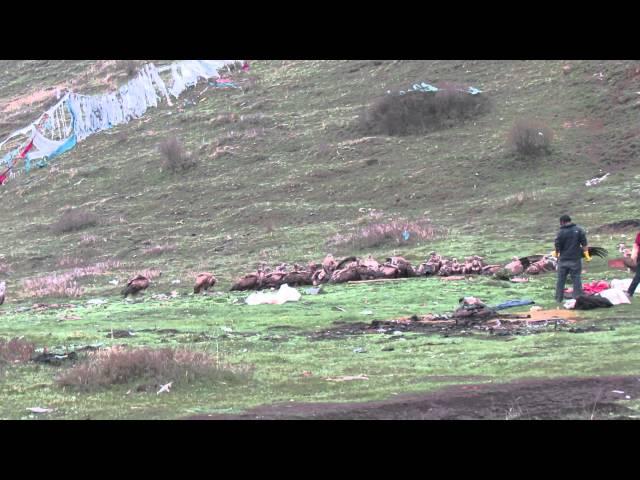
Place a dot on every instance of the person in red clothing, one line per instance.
(634, 257)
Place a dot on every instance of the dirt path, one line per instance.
(569, 397)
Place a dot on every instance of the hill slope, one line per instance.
(282, 167)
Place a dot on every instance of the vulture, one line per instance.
(367, 272)
(297, 278)
(371, 263)
(348, 274)
(531, 259)
(274, 279)
(346, 263)
(135, 286)
(390, 271)
(404, 267)
(516, 266)
(251, 281)
(3, 288)
(320, 276)
(204, 281)
(329, 263)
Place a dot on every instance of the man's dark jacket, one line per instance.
(569, 242)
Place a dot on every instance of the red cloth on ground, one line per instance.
(638, 239)
(2, 178)
(591, 288)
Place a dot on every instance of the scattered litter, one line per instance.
(570, 304)
(175, 282)
(313, 291)
(40, 410)
(596, 180)
(115, 281)
(164, 388)
(615, 295)
(226, 329)
(535, 308)
(97, 301)
(359, 350)
(366, 312)
(397, 332)
(627, 397)
(340, 309)
(347, 378)
(284, 294)
(519, 280)
(617, 391)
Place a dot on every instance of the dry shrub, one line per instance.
(121, 365)
(519, 199)
(55, 285)
(74, 219)
(5, 267)
(225, 119)
(530, 138)
(159, 249)
(150, 273)
(390, 233)
(87, 240)
(15, 350)
(70, 262)
(421, 112)
(175, 158)
(64, 284)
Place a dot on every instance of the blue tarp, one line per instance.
(513, 303)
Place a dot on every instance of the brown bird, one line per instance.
(371, 263)
(135, 286)
(297, 278)
(251, 281)
(329, 263)
(3, 288)
(204, 281)
(274, 279)
(349, 274)
(346, 263)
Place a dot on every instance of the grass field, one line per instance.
(282, 168)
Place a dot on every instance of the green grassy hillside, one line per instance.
(282, 168)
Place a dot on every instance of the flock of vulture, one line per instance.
(353, 269)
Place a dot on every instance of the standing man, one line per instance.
(634, 258)
(571, 245)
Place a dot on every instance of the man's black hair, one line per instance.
(565, 219)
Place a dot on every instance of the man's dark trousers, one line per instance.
(566, 267)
